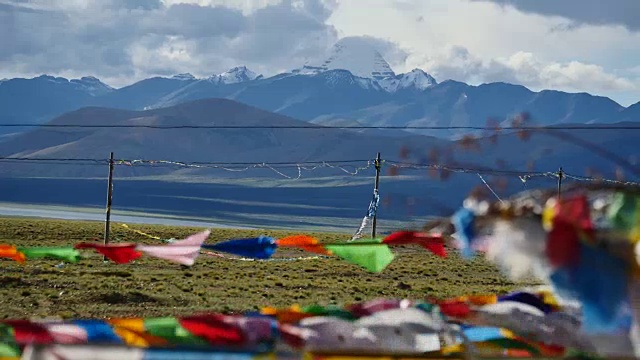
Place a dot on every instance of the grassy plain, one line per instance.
(153, 287)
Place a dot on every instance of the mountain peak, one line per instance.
(235, 75)
(92, 79)
(183, 77)
(355, 55)
(415, 79)
(92, 85)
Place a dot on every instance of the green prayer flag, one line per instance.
(373, 257)
(331, 310)
(68, 254)
(624, 213)
(426, 307)
(507, 343)
(9, 351)
(8, 346)
(170, 329)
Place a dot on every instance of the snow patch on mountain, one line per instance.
(88, 84)
(335, 78)
(53, 79)
(92, 85)
(184, 77)
(234, 76)
(416, 79)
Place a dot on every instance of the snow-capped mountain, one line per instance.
(234, 76)
(356, 56)
(362, 60)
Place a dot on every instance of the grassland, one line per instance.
(152, 287)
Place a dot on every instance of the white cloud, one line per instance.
(247, 6)
(574, 75)
(124, 40)
(480, 41)
(596, 12)
(522, 68)
(540, 44)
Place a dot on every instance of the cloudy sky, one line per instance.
(571, 45)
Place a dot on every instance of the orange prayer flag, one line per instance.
(290, 315)
(133, 333)
(477, 300)
(304, 242)
(11, 252)
(482, 299)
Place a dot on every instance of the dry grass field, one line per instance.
(153, 287)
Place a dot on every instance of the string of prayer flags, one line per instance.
(372, 254)
(118, 253)
(262, 247)
(492, 325)
(582, 244)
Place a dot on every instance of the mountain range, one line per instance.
(245, 144)
(326, 192)
(354, 85)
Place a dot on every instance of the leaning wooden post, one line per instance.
(560, 176)
(107, 222)
(377, 186)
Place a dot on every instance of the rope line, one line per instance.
(311, 126)
(342, 165)
(490, 189)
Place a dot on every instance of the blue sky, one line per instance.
(573, 45)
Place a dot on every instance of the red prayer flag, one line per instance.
(563, 244)
(454, 308)
(576, 211)
(26, 332)
(433, 243)
(294, 336)
(118, 253)
(214, 329)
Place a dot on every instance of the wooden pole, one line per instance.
(107, 222)
(377, 186)
(560, 176)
